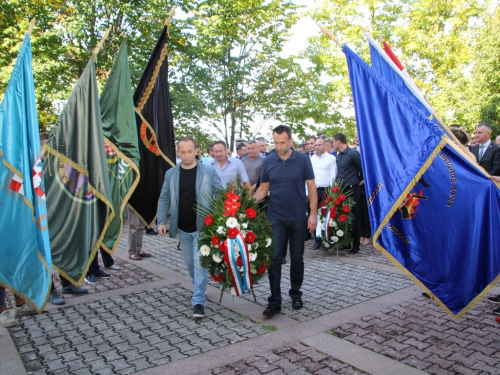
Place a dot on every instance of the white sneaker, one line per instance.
(24, 310)
(7, 320)
(115, 267)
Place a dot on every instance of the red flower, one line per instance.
(250, 237)
(232, 196)
(251, 213)
(323, 211)
(215, 240)
(223, 247)
(217, 278)
(261, 269)
(337, 202)
(226, 259)
(336, 188)
(239, 262)
(333, 214)
(342, 197)
(209, 220)
(342, 218)
(345, 209)
(329, 199)
(232, 232)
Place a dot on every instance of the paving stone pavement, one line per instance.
(291, 359)
(421, 335)
(126, 334)
(329, 285)
(367, 253)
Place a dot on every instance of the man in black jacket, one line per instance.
(487, 153)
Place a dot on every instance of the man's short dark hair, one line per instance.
(44, 136)
(187, 139)
(210, 148)
(311, 137)
(240, 146)
(340, 137)
(485, 124)
(328, 141)
(456, 126)
(461, 135)
(220, 143)
(280, 129)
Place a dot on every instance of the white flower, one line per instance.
(326, 244)
(231, 222)
(240, 269)
(221, 230)
(269, 241)
(332, 223)
(249, 246)
(254, 246)
(204, 250)
(216, 258)
(340, 233)
(244, 225)
(253, 256)
(233, 291)
(334, 239)
(242, 216)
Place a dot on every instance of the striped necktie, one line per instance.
(481, 151)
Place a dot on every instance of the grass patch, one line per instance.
(269, 328)
(332, 333)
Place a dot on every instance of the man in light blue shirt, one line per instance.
(227, 167)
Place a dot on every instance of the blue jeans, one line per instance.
(199, 275)
(295, 230)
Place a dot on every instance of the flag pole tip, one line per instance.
(330, 34)
(32, 26)
(170, 16)
(362, 29)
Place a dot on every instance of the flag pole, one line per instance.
(32, 26)
(329, 34)
(170, 16)
(96, 50)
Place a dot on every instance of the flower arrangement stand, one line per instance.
(222, 293)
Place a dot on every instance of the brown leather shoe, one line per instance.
(144, 255)
(135, 257)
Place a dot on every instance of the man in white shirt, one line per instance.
(325, 171)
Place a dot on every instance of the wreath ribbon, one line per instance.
(240, 283)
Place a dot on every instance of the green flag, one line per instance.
(121, 142)
(79, 208)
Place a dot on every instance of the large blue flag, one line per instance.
(435, 215)
(26, 265)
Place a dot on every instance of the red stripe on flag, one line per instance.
(393, 57)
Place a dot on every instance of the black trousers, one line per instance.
(107, 260)
(356, 195)
(365, 229)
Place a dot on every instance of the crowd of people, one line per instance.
(288, 179)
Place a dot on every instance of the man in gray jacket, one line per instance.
(185, 185)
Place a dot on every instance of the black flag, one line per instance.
(155, 128)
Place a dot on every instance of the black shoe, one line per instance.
(71, 289)
(297, 303)
(354, 250)
(102, 275)
(494, 299)
(317, 245)
(198, 311)
(91, 279)
(283, 261)
(496, 311)
(344, 247)
(271, 309)
(151, 232)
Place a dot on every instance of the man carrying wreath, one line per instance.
(284, 173)
(187, 183)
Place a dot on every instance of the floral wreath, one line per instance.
(336, 217)
(235, 243)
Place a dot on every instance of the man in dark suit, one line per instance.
(486, 152)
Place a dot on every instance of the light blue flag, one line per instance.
(26, 266)
(434, 214)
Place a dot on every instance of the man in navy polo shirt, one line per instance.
(284, 173)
